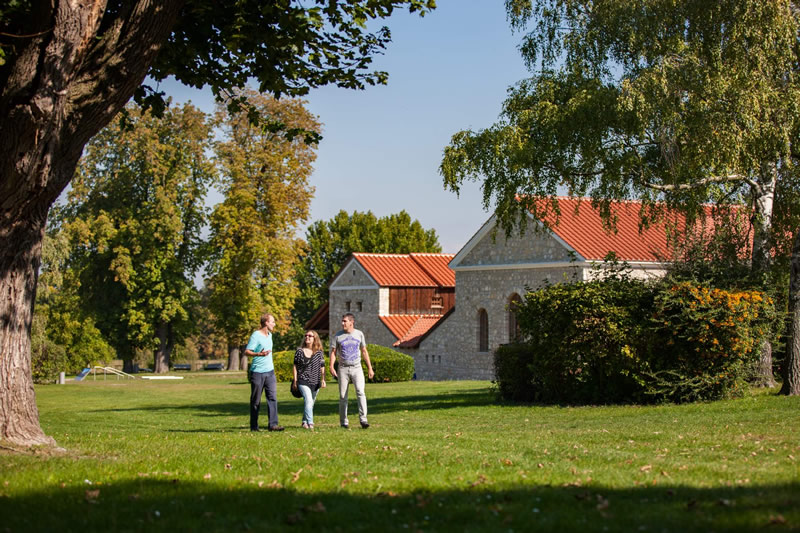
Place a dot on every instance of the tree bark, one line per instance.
(166, 343)
(244, 364)
(21, 248)
(64, 84)
(791, 366)
(233, 357)
(762, 259)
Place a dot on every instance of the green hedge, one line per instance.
(389, 365)
(283, 362)
(583, 343)
(705, 341)
(621, 340)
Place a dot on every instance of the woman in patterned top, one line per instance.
(309, 374)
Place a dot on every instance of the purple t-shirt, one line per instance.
(348, 346)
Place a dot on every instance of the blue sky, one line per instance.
(381, 150)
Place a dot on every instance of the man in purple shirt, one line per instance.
(349, 344)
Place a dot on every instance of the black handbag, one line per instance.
(295, 390)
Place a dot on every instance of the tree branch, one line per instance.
(703, 182)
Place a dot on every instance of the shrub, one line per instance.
(705, 340)
(389, 365)
(621, 340)
(584, 341)
(513, 375)
(283, 362)
(47, 360)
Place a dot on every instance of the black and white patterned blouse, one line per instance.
(308, 368)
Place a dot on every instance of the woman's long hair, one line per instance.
(316, 346)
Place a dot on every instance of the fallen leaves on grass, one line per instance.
(778, 520)
(296, 475)
(480, 481)
(91, 496)
(318, 507)
(602, 503)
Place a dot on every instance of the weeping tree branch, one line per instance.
(701, 183)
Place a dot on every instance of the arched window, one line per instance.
(483, 331)
(513, 326)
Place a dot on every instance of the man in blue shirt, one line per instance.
(262, 374)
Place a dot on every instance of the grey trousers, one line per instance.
(354, 374)
(263, 381)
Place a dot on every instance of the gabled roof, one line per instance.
(408, 270)
(319, 321)
(436, 266)
(411, 329)
(581, 227)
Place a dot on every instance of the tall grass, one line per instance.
(439, 457)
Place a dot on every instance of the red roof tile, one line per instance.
(410, 329)
(399, 324)
(581, 227)
(408, 270)
(436, 266)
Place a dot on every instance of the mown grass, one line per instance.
(438, 457)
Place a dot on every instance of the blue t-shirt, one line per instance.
(258, 342)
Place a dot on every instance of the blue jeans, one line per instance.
(309, 397)
(263, 382)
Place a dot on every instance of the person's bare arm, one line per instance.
(365, 355)
(333, 360)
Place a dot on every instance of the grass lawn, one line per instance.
(441, 456)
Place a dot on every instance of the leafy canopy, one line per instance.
(253, 251)
(330, 242)
(134, 216)
(681, 101)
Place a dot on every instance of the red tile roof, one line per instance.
(436, 266)
(408, 270)
(410, 329)
(581, 227)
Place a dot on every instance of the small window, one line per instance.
(426, 358)
(347, 305)
(359, 306)
(483, 331)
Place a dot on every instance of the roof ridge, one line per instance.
(385, 254)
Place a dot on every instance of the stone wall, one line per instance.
(373, 302)
(532, 247)
(451, 350)
(487, 276)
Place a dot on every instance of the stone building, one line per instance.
(450, 312)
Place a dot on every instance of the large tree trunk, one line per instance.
(233, 357)
(21, 248)
(244, 364)
(791, 366)
(68, 78)
(762, 259)
(166, 343)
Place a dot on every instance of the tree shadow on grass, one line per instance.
(171, 503)
(329, 405)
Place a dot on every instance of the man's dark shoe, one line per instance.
(345, 426)
(364, 424)
(276, 428)
(254, 429)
